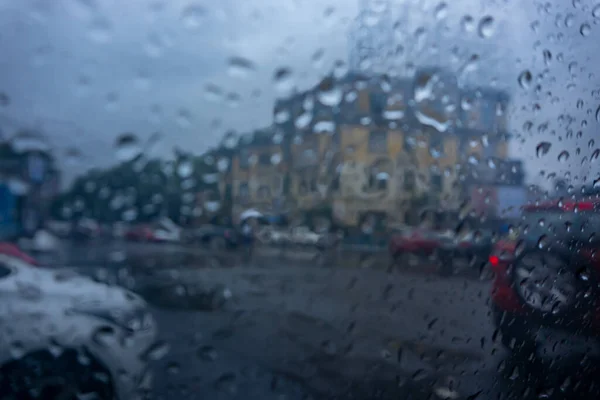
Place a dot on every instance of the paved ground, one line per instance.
(298, 329)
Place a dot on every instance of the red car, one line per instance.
(11, 250)
(140, 233)
(546, 278)
(420, 243)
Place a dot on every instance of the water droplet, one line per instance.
(547, 56)
(100, 30)
(569, 19)
(303, 120)
(17, 350)
(486, 26)
(275, 158)
(542, 242)
(585, 30)
(184, 118)
(213, 92)
(4, 99)
(563, 156)
(441, 11)
(598, 114)
(192, 16)
(525, 79)
(185, 169)
(467, 23)
(223, 164)
(157, 351)
(127, 147)
(155, 44)
(330, 96)
(542, 149)
(240, 67)
(283, 79)
(227, 383)
(278, 138)
(317, 58)
(207, 353)
(596, 11)
(73, 156)
(595, 155)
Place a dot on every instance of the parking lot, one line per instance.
(341, 327)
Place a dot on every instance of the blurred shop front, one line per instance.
(28, 183)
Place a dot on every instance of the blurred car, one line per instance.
(166, 231)
(273, 235)
(546, 278)
(417, 241)
(10, 250)
(448, 247)
(214, 236)
(59, 228)
(140, 233)
(71, 337)
(85, 229)
(303, 235)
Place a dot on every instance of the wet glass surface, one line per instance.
(366, 199)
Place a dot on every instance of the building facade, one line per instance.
(379, 148)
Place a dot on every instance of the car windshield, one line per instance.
(300, 199)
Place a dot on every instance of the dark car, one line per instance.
(215, 236)
(546, 278)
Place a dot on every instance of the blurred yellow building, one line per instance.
(357, 147)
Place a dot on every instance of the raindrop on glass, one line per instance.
(240, 67)
(563, 156)
(525, 79)
(222, 164)
(127, 147)
(275, 158)
(467, 23)
(441, 11)
(192, 16)
(542, 149)
(585, 30)
(486, 27)
(4, 99)
(157, 351)
(185, 169)
(283, 80)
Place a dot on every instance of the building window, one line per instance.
(437, 182)
(264, 159)
(410, 142)
(303, 187)
(264, 192)
(378, 141)
(244, 159)
(409, 180)
(378, 103)
(243, 190)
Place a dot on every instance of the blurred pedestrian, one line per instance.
(248, 238)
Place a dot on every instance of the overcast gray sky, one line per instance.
(86, 70)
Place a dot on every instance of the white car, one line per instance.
(166, 231)
(66, 336)
(303, 235)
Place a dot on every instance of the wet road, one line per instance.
(302, 330)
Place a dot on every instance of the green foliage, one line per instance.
(138, 191)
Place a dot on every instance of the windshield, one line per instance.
(300, 199)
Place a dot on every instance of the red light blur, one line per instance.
(494, 260)
(582, 206)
